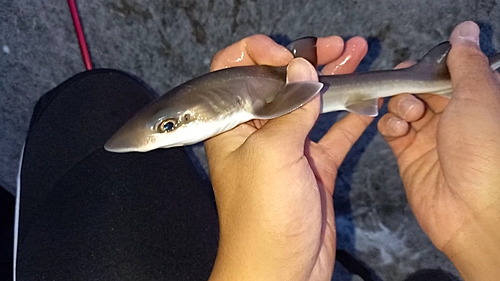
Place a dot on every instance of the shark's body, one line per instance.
(211, 104)
(218, 101)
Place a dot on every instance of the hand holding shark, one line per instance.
(448, 151)
(273, 186)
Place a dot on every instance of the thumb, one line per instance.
(471, 76)
(297, 124)
(469, 127)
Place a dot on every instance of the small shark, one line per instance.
(219, 101)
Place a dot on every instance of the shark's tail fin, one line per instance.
(305, 47)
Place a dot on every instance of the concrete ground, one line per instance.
(168, 42)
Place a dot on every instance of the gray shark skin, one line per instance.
(211, 104)
(218, 101)
(359, 92)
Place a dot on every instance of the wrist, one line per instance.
(475, 249)
(252, 249)
(236, 261)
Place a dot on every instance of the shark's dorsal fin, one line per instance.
(434, 62)
(290, 97)
(305, 47)
(494, 61)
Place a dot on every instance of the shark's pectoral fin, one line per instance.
(366, 107)
(290, 97)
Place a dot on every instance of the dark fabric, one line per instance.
(355, 266)
(432, 275)
(7, 204)
(87, 214)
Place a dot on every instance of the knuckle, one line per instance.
(477, 56)
(384, 127)
(348, 135)
(394, 102)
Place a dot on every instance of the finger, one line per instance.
(256, 49)
(329, 49)
(295, 126)
(220, 146)
(391, 126)
(410, 109)
(342, 135)
(355, 50)
(406, 107)
(471, 76)
(299, 69)
(397, 132)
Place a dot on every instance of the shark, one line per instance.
(218, 101)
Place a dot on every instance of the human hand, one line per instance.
(448, 153)
(273, 186)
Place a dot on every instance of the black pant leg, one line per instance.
(87, 214)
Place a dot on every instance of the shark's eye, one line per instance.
(167, 125)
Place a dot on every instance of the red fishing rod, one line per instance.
(80, 35)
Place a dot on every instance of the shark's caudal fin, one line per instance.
(434, 62)
(305, 47)
(292, 96)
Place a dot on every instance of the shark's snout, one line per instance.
(131, 137)
(118, 143)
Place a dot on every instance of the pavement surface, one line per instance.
(166, 43)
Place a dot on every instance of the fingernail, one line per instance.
(405, 106)
(468, 31)
(394, 124)
(300, 70)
